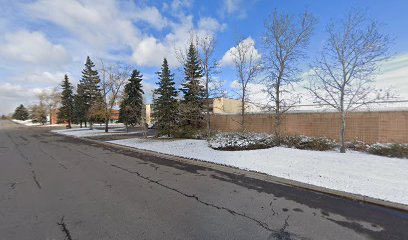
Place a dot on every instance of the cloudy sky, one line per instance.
(42, 40)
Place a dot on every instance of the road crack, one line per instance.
(30, 164)
(35, 179)
(282, 234)
(231, 211)
(13, 185)
(273, 210)
(64, 229)
(53, 158)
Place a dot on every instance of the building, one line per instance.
(217, 106)
(225, 105)
(114, 115)
(149, 114)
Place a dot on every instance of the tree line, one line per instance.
(341, 77)
(96, 96)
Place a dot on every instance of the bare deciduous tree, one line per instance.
(343, 75)
(50, 100)
(113, 78)
(285, 39)
(210, 67)
(247, 65)
(38, 113)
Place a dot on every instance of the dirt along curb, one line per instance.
(255, 175)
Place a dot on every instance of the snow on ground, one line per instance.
(86, 132)
(54, 125)
(26, 122)
(81, 132)
(354, 172)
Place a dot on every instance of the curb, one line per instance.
(258, 176)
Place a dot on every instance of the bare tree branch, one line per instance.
(113, 78)
(344, 74)
(247, 65)
(285, 39)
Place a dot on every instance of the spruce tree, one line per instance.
(91, 93)
(66, 111)
(80, 106)
(39, 113)
(192, 106)
(131, 107)
(165, 106)
(21, 113)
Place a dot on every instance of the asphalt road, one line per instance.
(56, 187)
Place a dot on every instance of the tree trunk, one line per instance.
(208, 118)
(243, 110)
(277, 128)
(342, 132)
(277, 116)
(106, 125)
(208, 103)
(80, 124)
(69, 123)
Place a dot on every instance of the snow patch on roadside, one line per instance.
(86, 132)
(81, 132)
(26, 122)
(354, 172)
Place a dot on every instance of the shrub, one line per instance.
(389, 150)
(357, 145)
(309, 143)
(185, 132)
(235, 141)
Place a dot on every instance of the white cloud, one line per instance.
(111, 30)
(234, 7)
(105, 27)
(210, 24)
(12, 95)
(151, 51)
(44, 78)
(227, 59)
(231, 5)
(32, 48)
(100, 26)
(394, 75)
(177, 5)
(147, 52)
(152, 16)
(24, 88)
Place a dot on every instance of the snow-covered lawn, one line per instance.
(354, 172)
(80, 132)
(86, 132)
(54, 125)
(26, 122)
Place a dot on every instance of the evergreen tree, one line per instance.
(39, 113)
(192, 106)
(79, 106)
(89, 86)
(21, 113)
(131, 108)
(165, 105)
(66, 111)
